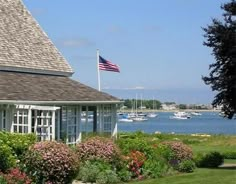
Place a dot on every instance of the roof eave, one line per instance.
(36, 71)
(58, 102)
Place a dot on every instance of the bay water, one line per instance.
(207, 123)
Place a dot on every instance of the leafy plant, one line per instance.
(212, 159)
(229, 155)
(107, 177)
(124, 174)
(156, 168)
(19, 143)
(187, 166)
(51, 161)
(7, 159)
(135, 162)
(97, 171)
(138, 144)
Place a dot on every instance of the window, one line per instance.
(20, 122)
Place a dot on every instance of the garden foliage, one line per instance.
(7, 159)
(19, 143)
(180, 151)
(97, 171)
(51, 161)
(14, 176)
(212, 159)
(98, 148)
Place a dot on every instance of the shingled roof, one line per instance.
(15, 86)
(23, 44)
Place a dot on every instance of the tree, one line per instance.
(221, 37)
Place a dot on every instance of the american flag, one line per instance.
(107, 65)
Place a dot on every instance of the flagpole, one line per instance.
(99, 85)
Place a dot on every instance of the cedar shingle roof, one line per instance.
(37, 87)
(23, 44)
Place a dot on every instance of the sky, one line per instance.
(157, 44)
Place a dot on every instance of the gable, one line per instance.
(24, 46)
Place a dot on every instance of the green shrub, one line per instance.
(88, 172)
(124, 175)
(107, 177)
(51, 161)
(211, 160)
(2, 180)
(90, 169)
(187, 166)
(163, 151)
(18, 142)
(155, 168)
(7, 159)
(127, 145)
(229, 155)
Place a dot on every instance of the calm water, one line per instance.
(209, 123)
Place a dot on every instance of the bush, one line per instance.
(163, 151)
(136, 160)
(156, 167)
(2, 180)
(96, 171)
(128, 144)
(124, 175)
(51, 161)
(88, 171)
(211, 160)
(107, 177)
(18, 142)
(15, 176)
(180, 151)
(229, 155)
(187, 166)
(97, 148)
(7, 159)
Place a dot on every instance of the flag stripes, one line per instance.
(107, 65)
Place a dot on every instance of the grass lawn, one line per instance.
(200, 176)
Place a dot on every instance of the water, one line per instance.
(209, 123)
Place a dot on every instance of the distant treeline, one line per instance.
(148, 104)
(156, 104)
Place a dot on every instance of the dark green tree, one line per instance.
(221, 37)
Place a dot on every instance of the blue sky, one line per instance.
(156, 43)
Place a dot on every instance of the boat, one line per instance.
(180, 115)
(125, 120)
(152, 115)
(196, 113)
(139, 118)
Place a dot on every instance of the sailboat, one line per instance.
(137, 116)
(152, 114)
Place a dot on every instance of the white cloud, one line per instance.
(79, 42)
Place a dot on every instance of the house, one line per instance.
(37, 94)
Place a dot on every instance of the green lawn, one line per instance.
(200, 176)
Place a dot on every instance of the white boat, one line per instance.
(180, 115)
(139, 118)
(125, 120)
(196, 113)
(152, 115)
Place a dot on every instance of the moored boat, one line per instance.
(180, 115)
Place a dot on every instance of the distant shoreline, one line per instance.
(160, 110)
